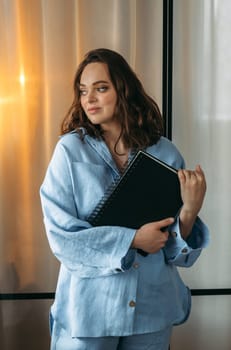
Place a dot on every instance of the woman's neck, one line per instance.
(114, 141)
(117, 148)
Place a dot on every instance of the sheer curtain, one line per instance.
(202, 121)
(201, 129)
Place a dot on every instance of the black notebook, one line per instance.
(148, 190)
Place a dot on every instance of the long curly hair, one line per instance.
(139, 115)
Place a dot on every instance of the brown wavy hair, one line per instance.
(139, 115)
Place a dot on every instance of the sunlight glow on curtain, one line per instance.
(42, 41)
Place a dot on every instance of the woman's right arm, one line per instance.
(90, 251)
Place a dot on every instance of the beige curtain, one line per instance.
(42, 41)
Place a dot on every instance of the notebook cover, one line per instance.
(149, 190)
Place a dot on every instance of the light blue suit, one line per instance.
(105, 288)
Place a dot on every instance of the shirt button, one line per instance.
(184, 250)
(132, 303)
(135, 265)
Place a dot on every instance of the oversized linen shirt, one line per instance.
(105, 288)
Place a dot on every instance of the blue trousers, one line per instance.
(60, 340)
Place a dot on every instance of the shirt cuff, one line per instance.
(182, 252)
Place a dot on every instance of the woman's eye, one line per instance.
(82, 92)
(102, 88)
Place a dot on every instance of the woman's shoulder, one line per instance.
(74, 145)
(168, 144)
(70, 138)
(69, 145)
(73, 140)
(167, 151)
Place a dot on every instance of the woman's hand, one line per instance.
(150, 238)
(193, 188)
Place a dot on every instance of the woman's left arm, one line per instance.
(188, 235)
(193, 188)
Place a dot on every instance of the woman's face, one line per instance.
(97, 95)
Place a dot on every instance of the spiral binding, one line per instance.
(94, 217)
(112, 190)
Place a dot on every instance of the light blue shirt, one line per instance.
(105, 288)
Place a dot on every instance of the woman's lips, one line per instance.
(93, 110)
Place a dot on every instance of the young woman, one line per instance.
(108, 295)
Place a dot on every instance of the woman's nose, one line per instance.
(91, 96)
